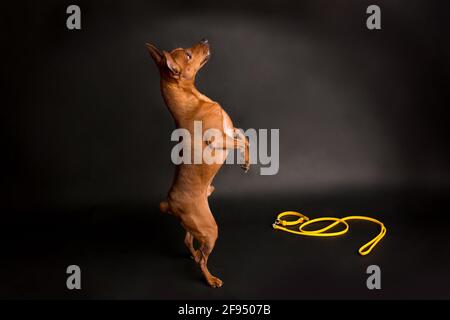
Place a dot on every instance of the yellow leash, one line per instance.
(304, 221)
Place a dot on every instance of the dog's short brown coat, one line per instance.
(188, 197)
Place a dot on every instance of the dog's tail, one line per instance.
(164, 207)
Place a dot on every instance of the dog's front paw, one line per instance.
(215, 282)
(245, 166)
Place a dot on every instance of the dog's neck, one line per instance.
(182, 97)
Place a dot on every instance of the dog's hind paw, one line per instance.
(215, 282)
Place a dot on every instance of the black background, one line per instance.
(86, 147)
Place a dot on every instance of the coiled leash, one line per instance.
(304, 221)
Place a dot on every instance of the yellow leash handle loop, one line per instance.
(303, 221)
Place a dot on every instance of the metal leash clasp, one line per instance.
(276, 223)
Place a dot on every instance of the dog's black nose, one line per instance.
(204, 41)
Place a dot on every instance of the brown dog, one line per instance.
(188, 196)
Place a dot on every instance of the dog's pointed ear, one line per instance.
(171, 64)
(156, 55)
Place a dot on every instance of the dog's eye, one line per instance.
(188, 55)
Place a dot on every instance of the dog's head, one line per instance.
(180, 64)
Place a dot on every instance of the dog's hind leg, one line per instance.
(207, 241)
(202, 259)
(189, 242)
(200, 224)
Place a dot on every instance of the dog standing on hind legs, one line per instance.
(188, 197)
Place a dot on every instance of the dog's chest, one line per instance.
(227, 124)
